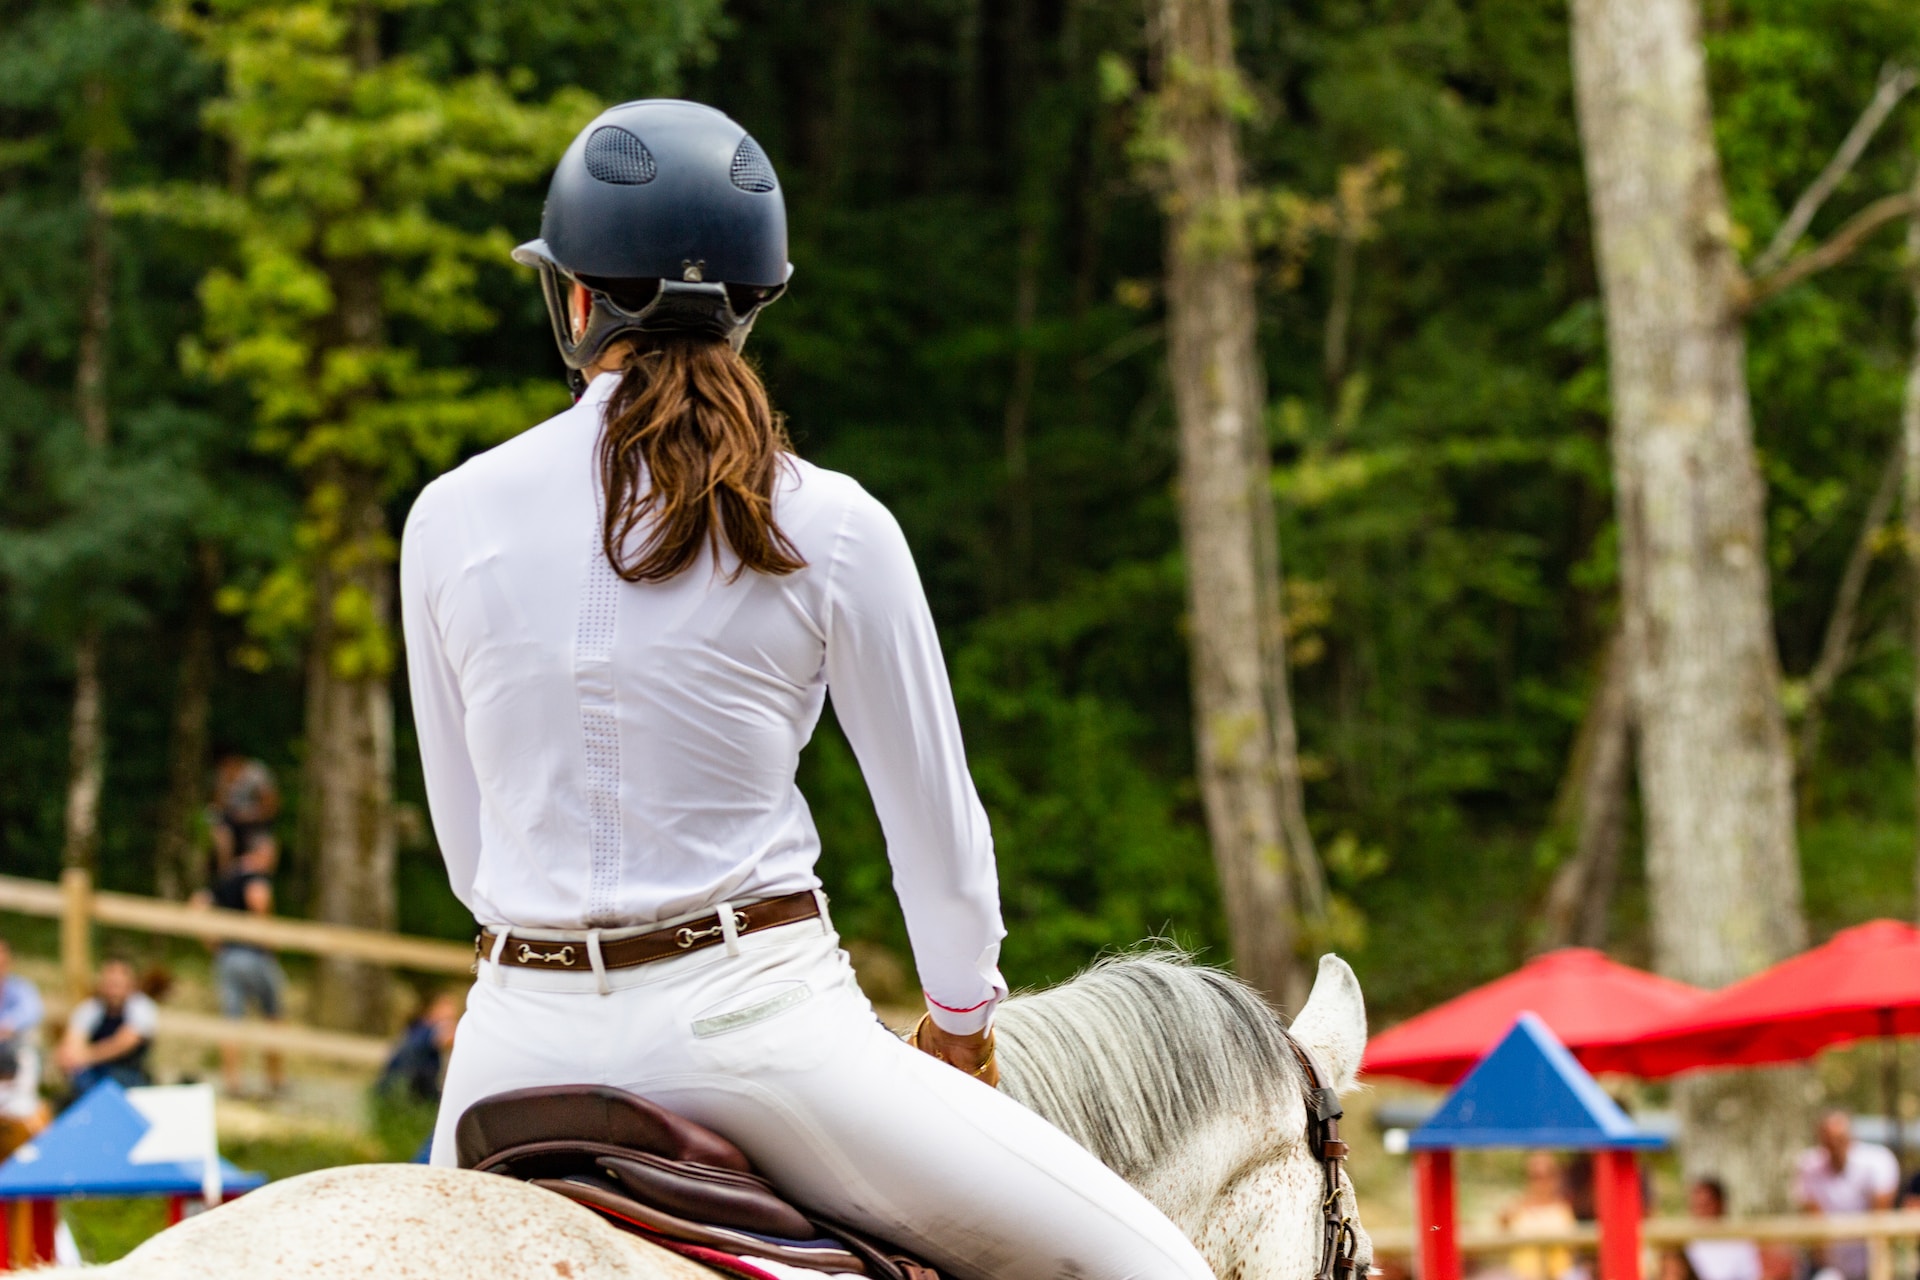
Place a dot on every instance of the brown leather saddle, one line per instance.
(661, 1176)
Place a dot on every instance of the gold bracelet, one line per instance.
(986, 1063)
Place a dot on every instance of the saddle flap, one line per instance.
(809, 1252)
(593, 1114)
(718, 1196)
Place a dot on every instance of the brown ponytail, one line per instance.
(692, 444)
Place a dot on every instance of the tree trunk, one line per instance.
(1243, 719)
(178, 867)
(349, 765)
(1715, 769)
(1836, 646)
(86, 756)
(1910, 434)
(1593, 802)
(86, 752)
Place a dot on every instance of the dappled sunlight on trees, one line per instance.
(312, 313)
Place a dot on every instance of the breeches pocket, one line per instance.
(750, 1007)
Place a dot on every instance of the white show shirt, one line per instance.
(1724, 1259)
(600, 753)
(137, 1011)
(1870, 1172)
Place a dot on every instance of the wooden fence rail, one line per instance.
(1879, 1230)
(78, 907)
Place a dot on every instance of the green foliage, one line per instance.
(972, 333)
(340, 235)
(107, 1230)
(91, 537)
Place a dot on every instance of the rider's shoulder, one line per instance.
(808, 487)
(515, 461)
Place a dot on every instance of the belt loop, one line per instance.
(599, 964)
(820, 899)
(499, 945)
(729, 928)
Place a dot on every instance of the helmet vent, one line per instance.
(752, 171)
(616, 156)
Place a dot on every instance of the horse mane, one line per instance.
(1145, 1050)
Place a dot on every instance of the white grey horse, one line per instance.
(1176, 1075)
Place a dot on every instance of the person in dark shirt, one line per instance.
(414, 1067)
(108, 1034)
(249, 978)
(246, 800)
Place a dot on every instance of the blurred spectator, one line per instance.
(20, 1008)
(246, 800)
(109, 1033)
(414, 1069)
(22, 1113)
(1676, 1265)
(248, 977)
(1842, 1175)
(1718, 1259)
(1543, 1207)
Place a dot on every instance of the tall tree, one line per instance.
(350, 153)
(1715, 766)
(1592, 806)
(1248, 754)
(178, 867)
(1910, 441)
(100, 129)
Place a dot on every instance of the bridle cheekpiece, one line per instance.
(1339, 1241)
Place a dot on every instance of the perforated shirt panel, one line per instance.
(600, 733)
(604, 753)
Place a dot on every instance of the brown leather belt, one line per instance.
(660, 944)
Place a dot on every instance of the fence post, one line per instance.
(76, 931)
(1879, 1258)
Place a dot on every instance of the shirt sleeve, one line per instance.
(22, 1008)
(439, 713)
(85, 1017)
(1883, 1173)
(143, 1015)
(890, 691)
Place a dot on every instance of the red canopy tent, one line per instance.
(1864, 982)
(1592, 1004)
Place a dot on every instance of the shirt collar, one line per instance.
(600, 390)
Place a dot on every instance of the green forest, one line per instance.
(976, 331)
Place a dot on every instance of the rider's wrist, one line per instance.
(961, 1022)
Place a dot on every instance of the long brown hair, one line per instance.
(692, 445)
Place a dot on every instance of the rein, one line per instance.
(1339, 1244)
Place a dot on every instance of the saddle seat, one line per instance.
(661, 1176)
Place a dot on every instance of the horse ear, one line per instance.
(1334, 1022)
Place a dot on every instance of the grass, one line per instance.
(107, 1230)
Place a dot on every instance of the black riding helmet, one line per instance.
(663, 217)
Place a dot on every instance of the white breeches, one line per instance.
(777, 1049)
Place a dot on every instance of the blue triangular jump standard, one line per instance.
(1529, 1092)
(87, 1152)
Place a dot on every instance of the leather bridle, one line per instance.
(1339, 1241)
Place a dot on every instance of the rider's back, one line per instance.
(607, 721)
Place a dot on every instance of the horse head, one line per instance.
(1182, 1079)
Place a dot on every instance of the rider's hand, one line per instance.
(972, 1054)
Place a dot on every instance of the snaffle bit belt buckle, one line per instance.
(576, 954)
(685, 936)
